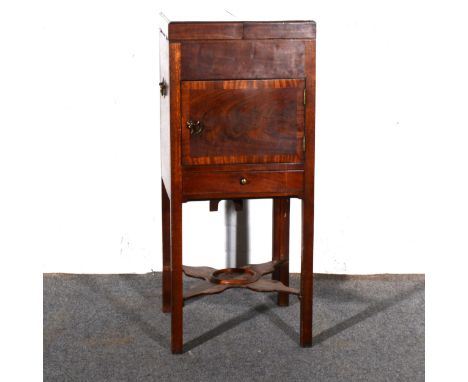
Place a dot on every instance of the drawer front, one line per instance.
(210, 185)
(242, 121)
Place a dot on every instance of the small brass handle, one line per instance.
(195, 127)
(243, 181)
(163, 87)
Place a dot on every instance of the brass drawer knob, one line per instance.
(243, 181)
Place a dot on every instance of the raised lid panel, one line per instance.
(243, 121)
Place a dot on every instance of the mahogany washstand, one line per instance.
(237, 122)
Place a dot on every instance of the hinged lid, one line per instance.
(237, 30)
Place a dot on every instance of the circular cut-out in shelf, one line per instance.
(234, 276)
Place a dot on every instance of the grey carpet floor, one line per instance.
(111, 328)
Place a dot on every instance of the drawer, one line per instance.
(249, 184)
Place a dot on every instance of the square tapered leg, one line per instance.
(307, 272)
(166, 249)
(176, 276)
(280, 245)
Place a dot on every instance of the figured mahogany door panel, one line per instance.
(239, 184)
(246, 59)
(242, 121)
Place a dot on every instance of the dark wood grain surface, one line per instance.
(279, 30)
(280, 245)
(244, 59)
(166, 248)
(176, 204)
(245, 167)
(243, 121)
(182, 31)
(207, 186)
(205, 31)
(249, 276)
(308, 205)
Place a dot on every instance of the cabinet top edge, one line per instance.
(237, 30)
(244, 22)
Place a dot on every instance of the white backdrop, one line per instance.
(79, 155)
(84, 111)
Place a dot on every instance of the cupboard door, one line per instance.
(242, 121)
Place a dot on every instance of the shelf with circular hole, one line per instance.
(249, 276)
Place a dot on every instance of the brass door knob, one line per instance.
(243, 181)
(195, 127)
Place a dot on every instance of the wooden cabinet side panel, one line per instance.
(175, 119)
(309, 164)
(165, 137)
